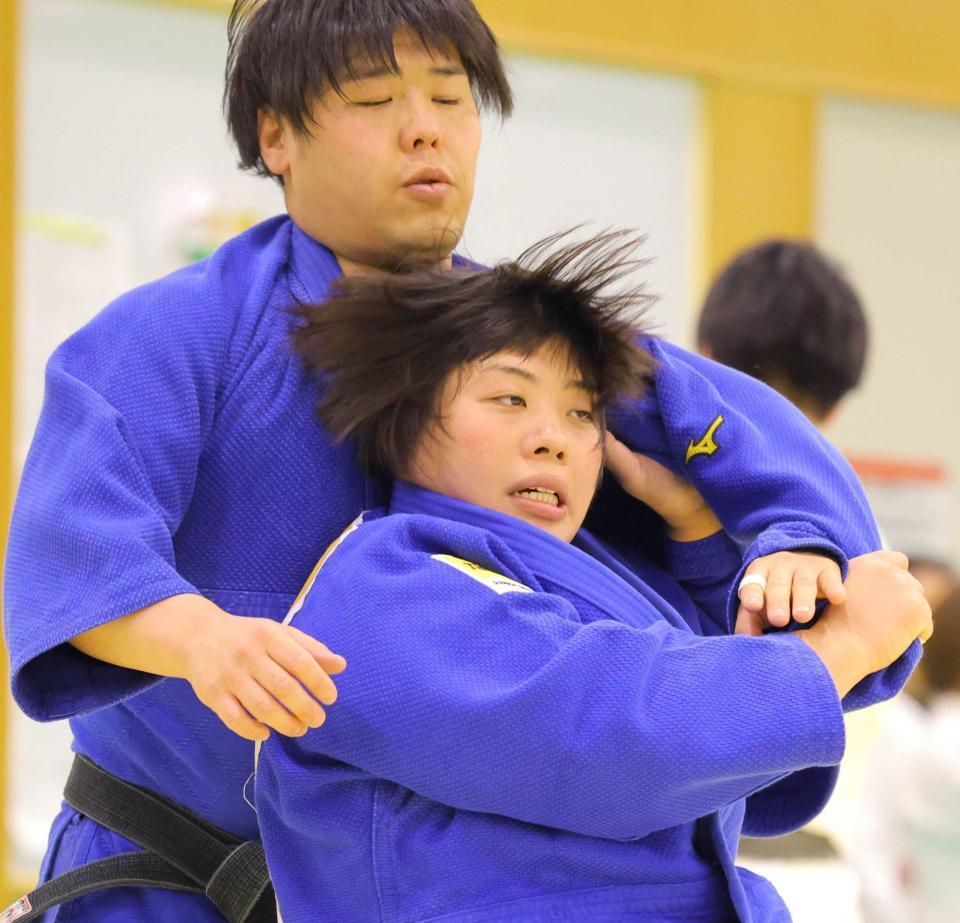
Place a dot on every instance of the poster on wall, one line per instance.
(915, 504)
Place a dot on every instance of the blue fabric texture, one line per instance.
(516, 750)
(178, 452)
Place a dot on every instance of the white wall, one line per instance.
(888, 201)
(589, 144)
(122, 135)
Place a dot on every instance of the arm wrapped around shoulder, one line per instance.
(504, 702)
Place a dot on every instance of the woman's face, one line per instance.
(520, 435)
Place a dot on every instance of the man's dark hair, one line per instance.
(783, 313)
(383, 346)
(284, 54)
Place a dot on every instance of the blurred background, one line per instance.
(708, 124)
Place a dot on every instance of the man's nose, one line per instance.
(421, 128)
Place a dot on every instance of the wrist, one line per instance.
(188, 624)
(700, 525)
(836, 656)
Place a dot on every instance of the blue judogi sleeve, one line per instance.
(495, 700)
(705, 570)
(111, 470)
(774, 481)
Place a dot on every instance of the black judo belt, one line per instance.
(181, 852)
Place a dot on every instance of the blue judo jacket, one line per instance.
(527, 730)
(178, 452)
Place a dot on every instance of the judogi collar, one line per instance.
(583, 566)
(316, 268)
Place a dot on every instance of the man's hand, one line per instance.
(254, 673)
(675, 500)
(786, 583)
(884, 613)
(257, 674)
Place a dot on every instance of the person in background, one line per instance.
(782, 312)
(936, 576)
(938, 580)
(907, 839)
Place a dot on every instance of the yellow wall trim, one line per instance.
(757, 150)
(889, 49)
(8, 186)
(883, 48)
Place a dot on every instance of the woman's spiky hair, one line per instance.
(384, 346)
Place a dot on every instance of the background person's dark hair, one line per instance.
(783, 313)
(941, 654)
(284, 54)
(383, 346)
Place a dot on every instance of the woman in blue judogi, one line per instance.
(527, 729)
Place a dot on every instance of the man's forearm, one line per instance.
(155, 639)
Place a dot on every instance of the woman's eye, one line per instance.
(371, 103)
(447, 101)
(587, 416)
(511, 400)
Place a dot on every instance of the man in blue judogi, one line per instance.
(177, 479)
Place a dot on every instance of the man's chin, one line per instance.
(423, 249)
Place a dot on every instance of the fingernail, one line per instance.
(801, 610)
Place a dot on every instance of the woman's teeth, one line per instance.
(543, 496)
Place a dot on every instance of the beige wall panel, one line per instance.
(888, 201)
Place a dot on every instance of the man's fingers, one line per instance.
(896, 558)
(299, 664)
(235, 717)
(262, 706)
(928, 624)
(299, 659)
(329, 662)
(288, 691)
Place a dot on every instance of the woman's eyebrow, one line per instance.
(511, 370)
(576, 384)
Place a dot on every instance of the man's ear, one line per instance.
(273, 133)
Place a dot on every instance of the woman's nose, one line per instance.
(547, 440)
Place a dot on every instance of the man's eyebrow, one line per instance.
(448, 70)
(382, 70)
(369, 72)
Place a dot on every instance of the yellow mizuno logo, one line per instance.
(496, 582)
(705, 445)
